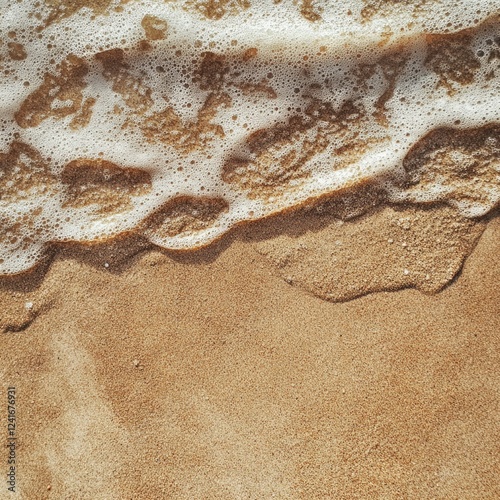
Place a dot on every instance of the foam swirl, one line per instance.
(179, 120)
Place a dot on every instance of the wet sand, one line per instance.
(207, 376)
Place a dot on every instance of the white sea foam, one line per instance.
(177, 121)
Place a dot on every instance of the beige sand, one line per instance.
(206, 375)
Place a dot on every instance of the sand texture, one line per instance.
(249, 249)
(207, 376)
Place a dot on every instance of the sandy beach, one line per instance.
(207, 375)
(249, 249)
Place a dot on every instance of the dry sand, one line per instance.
(207, 376)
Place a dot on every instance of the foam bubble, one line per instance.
(178, 120)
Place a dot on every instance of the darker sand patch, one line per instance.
(388, 249)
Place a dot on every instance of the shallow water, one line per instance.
(179, 120)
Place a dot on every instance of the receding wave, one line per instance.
(179, 120)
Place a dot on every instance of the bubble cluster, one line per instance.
(178, 120)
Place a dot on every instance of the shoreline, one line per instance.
(209, 376)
